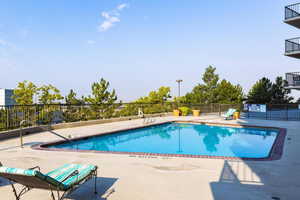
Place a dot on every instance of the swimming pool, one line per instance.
(181, 139)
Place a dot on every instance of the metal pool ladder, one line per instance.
(49, 130)
(147, 120)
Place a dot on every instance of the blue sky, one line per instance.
(140, 45)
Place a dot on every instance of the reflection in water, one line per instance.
(210, 141)
(174, 138)
(211, 138)
(179, 140)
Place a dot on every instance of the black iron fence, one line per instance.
(292, 45)
(292, 11)
(290, 112)
(35, 115)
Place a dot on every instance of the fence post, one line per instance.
(219, 109)
(267, 111)
(7, 117)
(287, 112)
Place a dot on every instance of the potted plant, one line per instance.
(237, 114)
(196, 113)
(176, 112)
(184, 110)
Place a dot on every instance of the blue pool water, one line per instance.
(189, 139)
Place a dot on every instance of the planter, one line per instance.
(184, 111)
(176, 113)
(196, 113)
(236, 115)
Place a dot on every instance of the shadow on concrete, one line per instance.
(4, 182)
(238, 181)
(86, 191)
(256, 180)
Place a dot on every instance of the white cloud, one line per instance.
(122, 6)
(105, 15)
(91, 41)
(3, 43)
(7, 45)
(111, 17)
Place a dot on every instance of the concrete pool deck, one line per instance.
(130, 177)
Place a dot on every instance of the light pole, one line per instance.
(179, 81)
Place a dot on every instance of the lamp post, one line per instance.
(179, 81)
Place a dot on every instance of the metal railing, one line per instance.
(289, 112)
(292, 78)
(292, 11)
(292, 45)
(36, 115)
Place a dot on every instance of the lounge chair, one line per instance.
(229, 114)
(64, 179)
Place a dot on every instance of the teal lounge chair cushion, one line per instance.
(61, 173)
(32, 173)
(229, 113)
(56, 176)
(26, 172)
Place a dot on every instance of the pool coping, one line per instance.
(276, 151)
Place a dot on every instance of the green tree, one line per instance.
(280, 95)
(264, 91)
(101, 93)
(49, 94)
(72, 99)
(227, 93)
(210, 78)
(261, 92)
(197, 95)
(160, 96)
(213, 91)
(155, 102)
(24, 93)
(74, 111)
(205, 93)
(102, 100)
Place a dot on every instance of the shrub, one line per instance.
(184, 111)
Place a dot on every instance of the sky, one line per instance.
(140, 45)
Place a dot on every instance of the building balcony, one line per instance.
(292, 47)
(293, 80)
(292, 15)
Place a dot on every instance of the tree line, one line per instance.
(211, 90)
(103, 102)
(26, 92)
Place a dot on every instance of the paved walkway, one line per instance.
(124, 177)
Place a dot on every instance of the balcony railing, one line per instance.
(292, 45)
(293, 79)
(292, 11)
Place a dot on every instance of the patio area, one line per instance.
(134, 177)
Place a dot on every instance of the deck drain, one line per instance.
(275, 198)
